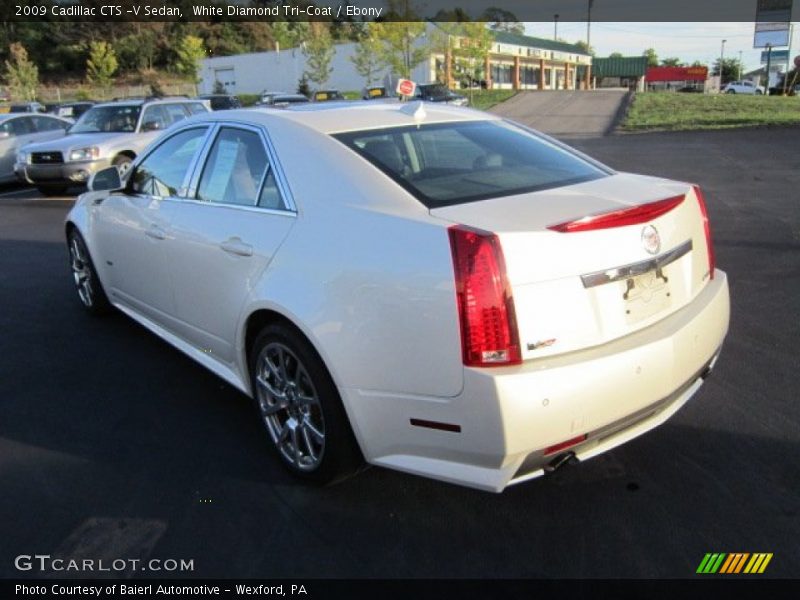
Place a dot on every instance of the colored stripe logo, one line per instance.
(734, 563)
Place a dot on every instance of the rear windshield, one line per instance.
(453, 163)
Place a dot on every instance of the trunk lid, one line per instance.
(580, 289)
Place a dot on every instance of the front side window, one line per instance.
(163, 171)
(48, 124)
(235, 168)
(452, 163)
(107, 119)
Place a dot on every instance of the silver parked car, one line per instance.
(19, 129)
(113, 133)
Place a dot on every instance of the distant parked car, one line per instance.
(282, 101)
(26, 107)
(266, 97)
(70, 110)
(17, 130)
(436, 92)
(222, 101)
(113, 133)
(742, 87)
(327, 96)
(375, 93)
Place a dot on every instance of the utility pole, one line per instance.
(721, 62)
(769, 64)
(739, 75)
(788, 60)
(555, 27)
(589, 26)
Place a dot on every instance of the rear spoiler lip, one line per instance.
(621, 217)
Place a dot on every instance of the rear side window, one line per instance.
(195, 108)
(235, 168)
(175, 113)
(452, 163)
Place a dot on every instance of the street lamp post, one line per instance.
(555, 27)
(739, 75)
(721, 63)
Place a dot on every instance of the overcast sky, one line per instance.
(687, 41)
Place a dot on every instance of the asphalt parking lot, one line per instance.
(113, 444)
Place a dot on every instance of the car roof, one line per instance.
(7, 116)
(335, 117)
(142, 102)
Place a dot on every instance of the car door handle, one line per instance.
(237, 247)
(155, 232)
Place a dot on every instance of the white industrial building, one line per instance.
(514, 62)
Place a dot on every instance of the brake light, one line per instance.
(619, 218)
(489, 335)
(712, 261)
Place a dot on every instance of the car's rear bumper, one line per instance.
(70, 173)
(506, 417)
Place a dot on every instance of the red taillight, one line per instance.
(489, 334)
(712, 261)
(619, 218)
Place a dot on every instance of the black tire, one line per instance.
(90, 291)
(759, 93)
(731, 92)
(123, 163)
(339, 455)
(52, 190)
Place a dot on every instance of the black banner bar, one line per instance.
(392, 10)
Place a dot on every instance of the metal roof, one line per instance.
(619, 66)
(505, 37)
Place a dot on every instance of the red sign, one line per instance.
(406, 87)
(676, 74)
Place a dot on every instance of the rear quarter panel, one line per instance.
(366, 273)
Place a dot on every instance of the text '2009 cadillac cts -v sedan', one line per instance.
(422, 287)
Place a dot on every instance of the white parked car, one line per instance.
(427, 288)
(743, 87)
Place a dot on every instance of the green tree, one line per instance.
(500, 19)
(101, 64)
(367, 57)
(585, 47)
(731, 67)
(190, 52)
(22, 76)
(403, 39)
(473, 48)
(615, 55)
(319, 54)
(652, 57)
(671, 62)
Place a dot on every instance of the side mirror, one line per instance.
(151, 126)
(105, 180)
(4, 135)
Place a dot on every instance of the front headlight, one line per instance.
(22, 158)
(85, 153)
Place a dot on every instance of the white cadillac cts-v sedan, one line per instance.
(422, 287)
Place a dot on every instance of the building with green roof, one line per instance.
(523, 62)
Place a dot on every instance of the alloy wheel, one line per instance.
(290, 407)
(81, 272)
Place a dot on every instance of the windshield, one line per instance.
(452, 163)
(108, 119)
